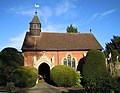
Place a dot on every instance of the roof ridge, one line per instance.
(63, 33)
(61, 41)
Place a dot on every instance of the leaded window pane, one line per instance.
(65, 61)
(73, 62)
(69, 60)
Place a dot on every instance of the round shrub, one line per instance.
(25, 77)
(62, 75)
(12, 57)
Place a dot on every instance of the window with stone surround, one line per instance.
(73, 62)
(65, 61)
(69, 61)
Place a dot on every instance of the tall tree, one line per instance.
(113, 45)
(71, 29)
(112, 49)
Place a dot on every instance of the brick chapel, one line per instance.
(44, 50)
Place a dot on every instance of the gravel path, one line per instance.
(43, 88)
(46, 88)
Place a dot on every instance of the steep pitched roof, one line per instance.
(35, 19)
(60, 41)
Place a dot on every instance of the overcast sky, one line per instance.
(102, 16)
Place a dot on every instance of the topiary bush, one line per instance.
(25, 77)
(94, 71)
(95, 65)
(11, 59)
(62, 75)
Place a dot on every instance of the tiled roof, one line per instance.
(60, 41)
(35, 19)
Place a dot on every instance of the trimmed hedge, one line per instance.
(11, 59)
(95, 65)
(95, 71)
(64, 76)
(25, 77)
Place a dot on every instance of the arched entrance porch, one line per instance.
(44, 71)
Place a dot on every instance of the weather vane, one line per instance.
(36, 6)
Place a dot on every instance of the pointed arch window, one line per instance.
(65, 61)
(69, 61)
(73, 62)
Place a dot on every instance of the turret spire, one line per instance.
(35, 25)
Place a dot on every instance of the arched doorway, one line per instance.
(44, 70)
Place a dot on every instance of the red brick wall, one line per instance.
(58, 56)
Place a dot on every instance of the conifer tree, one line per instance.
(71, 29)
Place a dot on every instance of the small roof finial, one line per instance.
(36, 6)
(90, 30)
